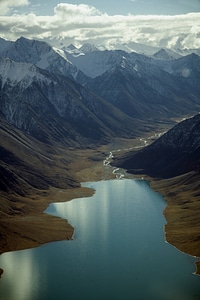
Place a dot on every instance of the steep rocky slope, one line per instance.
(30, 171)
(51, 107)
(175, 153)
(28, 165)
(141, 86)
(148, 88)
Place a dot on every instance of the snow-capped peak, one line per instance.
(17, 72)
(166, 54)
(85, 48)
(41, 54)
(61, 52)
(72, 51)
(71, 47)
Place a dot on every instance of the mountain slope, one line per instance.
(173, 154)
(51, 107)
(174, 159)
(165, 85)
(94, 63)
(28, 165)
(165, 54)
(45, 114)
(32, 175)
(41, 55)
(141, 88)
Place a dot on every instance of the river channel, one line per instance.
(118, 252)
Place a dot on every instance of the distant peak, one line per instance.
(23, 40)
(71, 47)
(166, 54)
(162, 54)
(88, 48)
(162, 50)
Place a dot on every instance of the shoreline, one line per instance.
(38, 228)
(197, 272)
(159, 185)
(69, 230)
(180, 230)
(55, 228)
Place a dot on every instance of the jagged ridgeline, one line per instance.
(54, 102)
(85, 95)
(81, 97)
(78, 97)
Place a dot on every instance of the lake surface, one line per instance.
(118, 252)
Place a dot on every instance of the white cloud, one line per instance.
(81, 23)
(6, 5)
(66, 9)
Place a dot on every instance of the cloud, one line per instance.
(66, 9)
(6, 5)
(84, 23)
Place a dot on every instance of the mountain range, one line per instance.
(46, 90)
(86, 96)
(53, 108)
(56, 101)
(74, 97)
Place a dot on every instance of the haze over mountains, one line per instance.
(73, 97)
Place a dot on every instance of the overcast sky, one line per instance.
(172, 23)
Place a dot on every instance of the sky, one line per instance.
(171, 23)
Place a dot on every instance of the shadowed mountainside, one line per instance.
(173, 154)
(174, 162)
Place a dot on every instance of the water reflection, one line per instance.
(119, 252)
(83, 217)
(20, 269)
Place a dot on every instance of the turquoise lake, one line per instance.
(118, 252)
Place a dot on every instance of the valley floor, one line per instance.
(34, 228)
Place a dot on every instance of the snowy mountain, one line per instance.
(144, 87)
(53, 108)
(184, 52)
(151, 50)
(136, 48)
(85, 48)
(166, 54)
(70, 50)
(186, 67)
(55, 102)
(41, 55)
(131, 85)
(94, 63)
(173, 154)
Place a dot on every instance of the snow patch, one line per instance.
(186, 72)
(14, 73)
